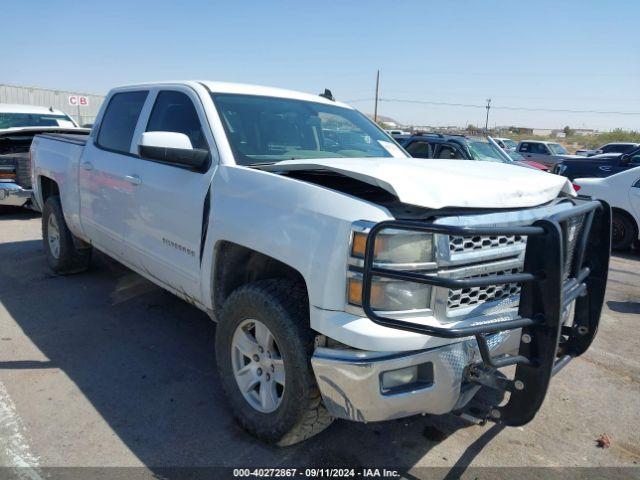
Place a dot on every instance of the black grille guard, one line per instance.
(546, 345)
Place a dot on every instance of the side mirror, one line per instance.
(625, 159)
(172, 147)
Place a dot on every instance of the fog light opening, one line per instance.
(406, 379)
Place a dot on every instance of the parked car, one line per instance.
(516, 157)
(622, 192)
(459, 147)
(347, 279)
(18, 125)
(618, 147)
(598, 165)
(396, 132)
(548, 153)
(506, 144)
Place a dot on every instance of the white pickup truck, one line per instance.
(347, 279)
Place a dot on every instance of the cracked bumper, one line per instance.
(350, 380)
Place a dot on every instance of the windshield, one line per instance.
(618, 148)
(270, 129)
(557, 149)
(509, 143)
(14, 120)
(485, 151)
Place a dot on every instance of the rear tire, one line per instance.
(63, 256)
(623, 232)
(281, 306)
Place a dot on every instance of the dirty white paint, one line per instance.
(14, 449)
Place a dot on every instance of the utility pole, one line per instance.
(486, 123)
(375, 107)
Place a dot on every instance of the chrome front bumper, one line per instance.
(350, 380)
(12, 194)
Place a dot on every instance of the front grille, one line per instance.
(462, 244)
(471, 297)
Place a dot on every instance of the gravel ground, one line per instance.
(105, 369)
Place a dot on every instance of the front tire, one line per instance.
(623, 232)
(62, 254)
(263, 350)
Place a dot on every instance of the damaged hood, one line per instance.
(443, 183)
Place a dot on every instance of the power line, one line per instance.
(525, 109)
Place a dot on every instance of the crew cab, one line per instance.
(547, 153)
(598, 165)
(347, 279)
(18, 125)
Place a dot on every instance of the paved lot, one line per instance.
(105, 369)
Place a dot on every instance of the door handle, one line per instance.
(87, 166)
(133, 179)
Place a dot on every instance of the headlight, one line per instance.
(396, 247)
(391, 295)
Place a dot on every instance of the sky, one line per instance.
(526, 56)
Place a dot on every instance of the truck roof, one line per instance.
(34, 109)
(245, 89)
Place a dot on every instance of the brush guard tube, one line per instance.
(546, 345)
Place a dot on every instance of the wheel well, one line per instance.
(48, 188)
(624, 213)
(236, 265)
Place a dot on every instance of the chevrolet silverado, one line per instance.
(347, 279)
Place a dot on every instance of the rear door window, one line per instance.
(524, 147)
(174, 112)
(119, 121)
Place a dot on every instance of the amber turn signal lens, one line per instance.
(355, 291)
(359, 244)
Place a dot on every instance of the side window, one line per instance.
(449, 152)
(524, 147)
(543, 149)
(174, 112)
(635, 159)
(418, 149)
(119, 121)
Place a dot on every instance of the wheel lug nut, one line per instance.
(260, 349)
(259, 371)
(256, 358)
(273, 368)
(268, 377)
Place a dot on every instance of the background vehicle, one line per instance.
(548, 153)
(459, 147)
(345, 277)
(622, 192)
(617, 147)
(506, 144)
(598, 165)
(18, 125)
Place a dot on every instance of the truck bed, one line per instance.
(78, 139)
